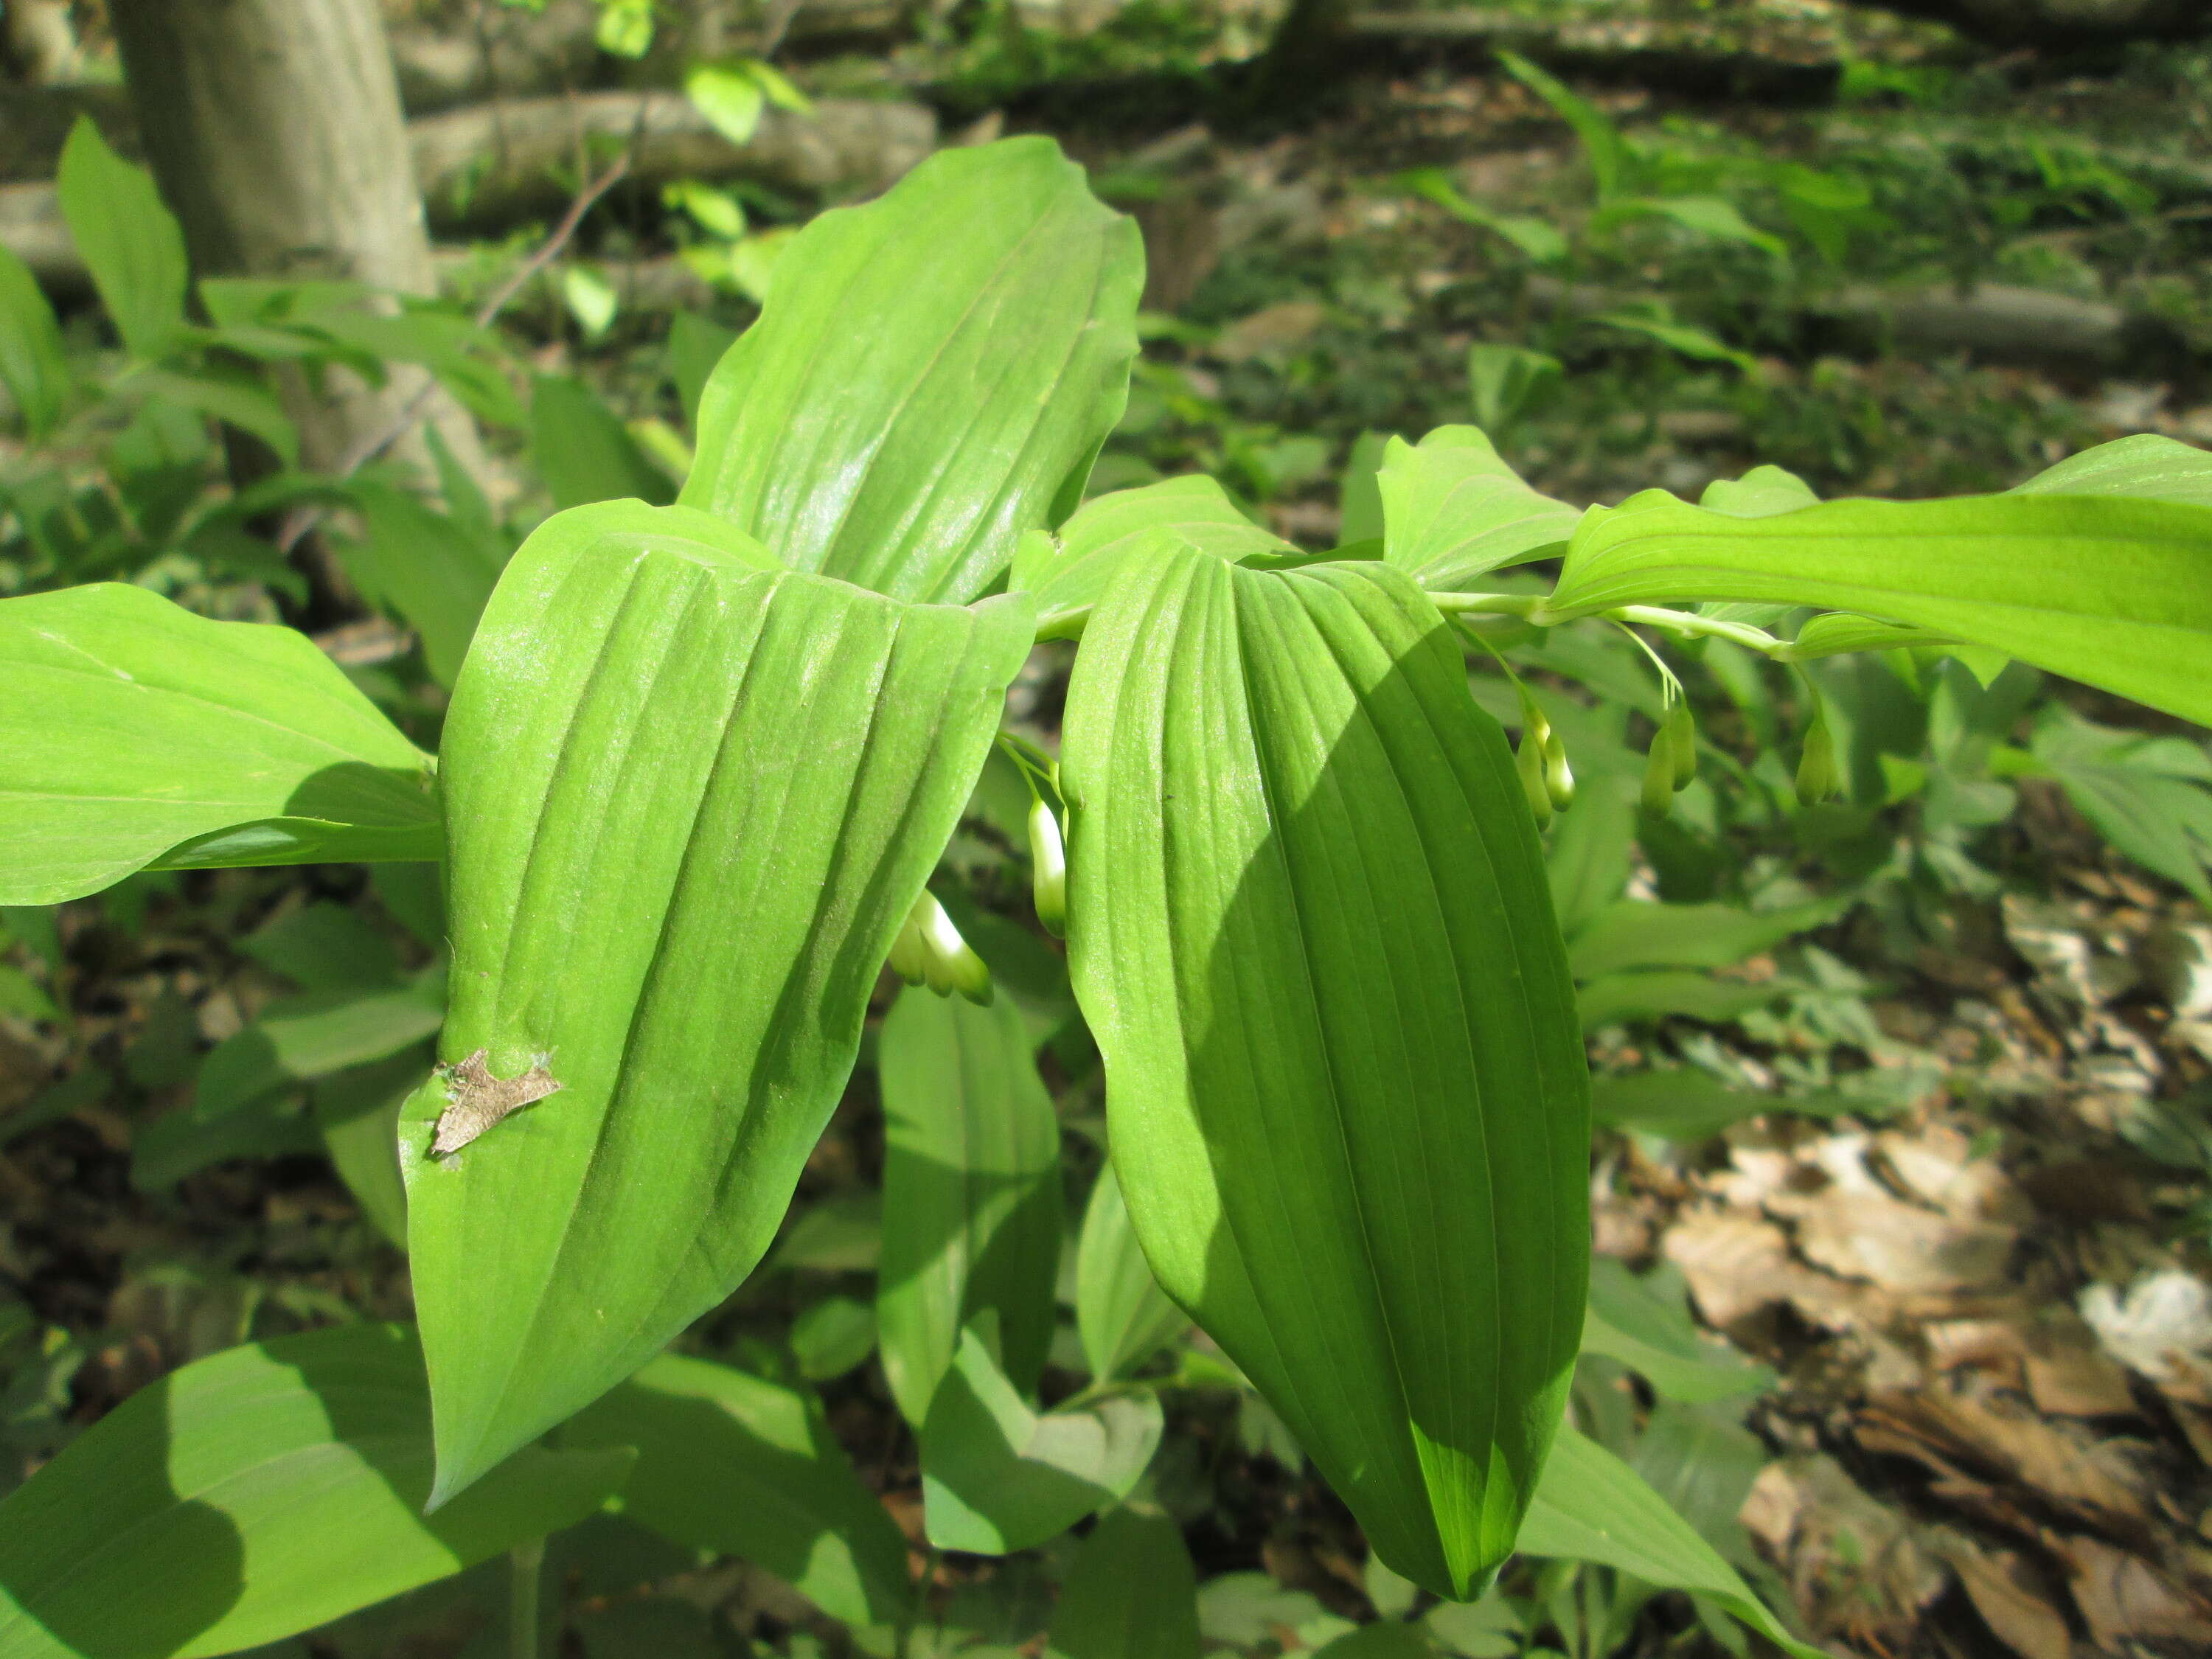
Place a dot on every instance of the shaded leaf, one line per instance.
(1637, 933)
(1309, 929)
(1122, 1313)
(1132, 1593)
(262, 1491)
(583, 451)
(1628, 1320)
(997, 1477)
(426, 567)
(33, 365)
(139, 734)
(679, 779)
(728, 1463)
(931, 375)
(312, 1036)
(971, 1213)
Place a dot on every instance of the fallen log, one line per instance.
(496, 165)
(1995, 323)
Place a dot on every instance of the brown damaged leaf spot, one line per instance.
(477, 1100)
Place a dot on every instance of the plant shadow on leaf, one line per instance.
(1346, 1091)
(202, 1573)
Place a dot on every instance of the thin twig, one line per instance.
(303, 519)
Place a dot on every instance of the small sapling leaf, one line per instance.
(477, 1100)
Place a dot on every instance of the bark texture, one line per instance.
(275, 130)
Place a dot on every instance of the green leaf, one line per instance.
(297, 1038)
(1537, 240)
(259, 1491)
(322, 946)
(1359, 500)
(138, 735)
(1657, 994)
(1712, 217)
(1636, 934)
(1685, 337)
(728, 1463)
(128, 239)
(33, 365)
(997, 1477)
(426, 567)
(1132, 1593)
(832, 1337)
(236, 399)
(1386, 1638)
(2111, 591)
(729, 99)
(1069, 572)
(357, 1113)
(1122, 1313)
(2160, 816)
(1760, 493)
(1687, 1105)
(1453, 510)
(679, 779)
(1604, 148)
(695, 345)
(1504, 381)
(2147, 467)
(1593, 1507)
(931, 376)
(583, 451)
(1309, 929)
(1629, 1320)
(971, 1192)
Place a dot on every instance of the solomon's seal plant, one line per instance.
(699, 764)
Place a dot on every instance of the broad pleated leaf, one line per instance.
(133, 732)
(2115, 591)
(1067, 572)
(1593, 1507)
(731, 1463)
(932, 375)
(1310, 930)
(692, 799)
(971, 1192)
(1452, 509)
(1122, 1313)
(998, 1477)
(1132, 1593)
(2146, 466)
(260, 1492)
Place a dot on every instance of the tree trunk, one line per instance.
(275, 130)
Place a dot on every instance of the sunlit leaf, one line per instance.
(1593, 1507)
(1452, 510)
(931, 376)
(1068, 572)
(680, 779)
(137, 734)
(1629, 1320)
(1309, 929)
(2114, 590)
